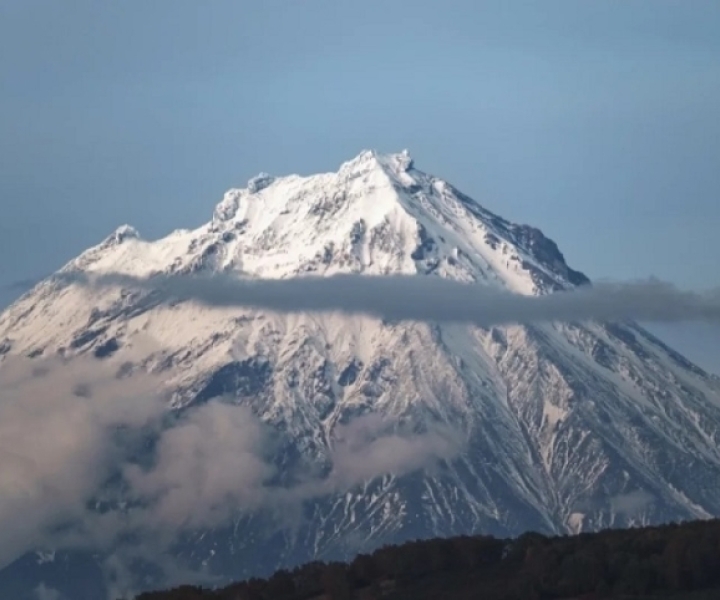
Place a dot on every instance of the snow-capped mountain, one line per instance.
(567, 426)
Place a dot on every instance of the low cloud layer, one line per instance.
(369, 445)
(428, 298)
(42, 592)
(55, 450)
(90, 459)
(206, 466)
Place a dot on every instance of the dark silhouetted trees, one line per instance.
(671, 561)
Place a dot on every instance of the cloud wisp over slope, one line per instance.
(427, 298)
(93, 458)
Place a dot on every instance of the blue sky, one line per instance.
(597, 121)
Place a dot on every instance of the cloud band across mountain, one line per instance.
(407, 298)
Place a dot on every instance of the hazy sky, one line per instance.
(597, 121)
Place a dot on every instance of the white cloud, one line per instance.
(206, 467)
(66, 427)
(56, 446)
(370, 445)
(42, 592)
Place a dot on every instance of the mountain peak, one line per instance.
(122, 233)
(377, 214)
(259, 182)
(393, 163)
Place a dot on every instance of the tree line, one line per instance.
(669, 561)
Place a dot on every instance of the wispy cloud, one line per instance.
(206, 467)
(92, 460)
(428, 298)
(55, 447)
(370, 444)
(42, 592)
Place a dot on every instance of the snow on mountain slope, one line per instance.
(569, 426)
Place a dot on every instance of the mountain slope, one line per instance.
(564, 427)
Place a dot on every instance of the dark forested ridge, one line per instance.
(670, 561)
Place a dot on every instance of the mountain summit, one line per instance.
(565, 427)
